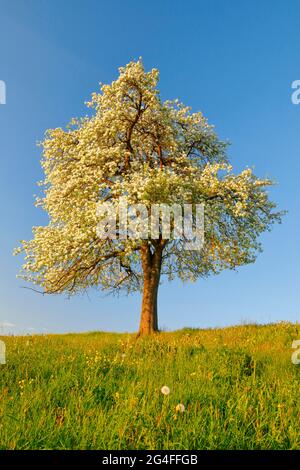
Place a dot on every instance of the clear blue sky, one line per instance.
(235, 61)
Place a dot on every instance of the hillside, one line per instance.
(238, 385)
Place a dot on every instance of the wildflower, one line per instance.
(165, 390)
(21, 384)
(133, 401)
(180, 408)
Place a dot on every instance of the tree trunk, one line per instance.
(151, 263)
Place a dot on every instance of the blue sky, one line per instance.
(235, 61)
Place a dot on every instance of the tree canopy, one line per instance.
(135, 145)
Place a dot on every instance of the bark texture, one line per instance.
(151, 263)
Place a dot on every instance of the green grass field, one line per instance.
(103, 391)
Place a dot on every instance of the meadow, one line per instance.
(238, 387)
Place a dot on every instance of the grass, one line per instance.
(102, 391)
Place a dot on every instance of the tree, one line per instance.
(152, 152)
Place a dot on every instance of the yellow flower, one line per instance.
(180, 408)
(133, 401)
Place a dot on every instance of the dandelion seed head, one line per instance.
(165, 390)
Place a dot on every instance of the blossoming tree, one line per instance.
(152, 152)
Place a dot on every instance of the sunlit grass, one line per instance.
(238, 387)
